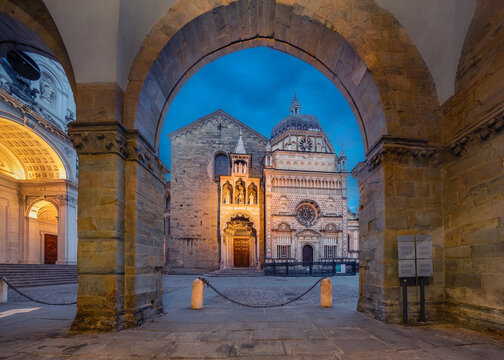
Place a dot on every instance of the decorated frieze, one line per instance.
(114, 138)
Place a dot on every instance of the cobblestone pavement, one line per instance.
(52, 294)
(301, 330)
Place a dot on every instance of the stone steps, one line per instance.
(235, 272)
(29, 275)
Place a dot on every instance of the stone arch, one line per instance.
(240, 192)
(33, 209)
(243, 215)
(39, 32)
(360, 60)
(220, 164)
(227, 193)
(252, 195)
(30, 153)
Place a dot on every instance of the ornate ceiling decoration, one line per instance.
(26, 156)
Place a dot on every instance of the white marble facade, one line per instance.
(305, 193)
(38, 169)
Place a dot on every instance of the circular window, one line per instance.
(307, 213)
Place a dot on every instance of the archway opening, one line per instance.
(239, 244)
(224, 129)
(38, 164)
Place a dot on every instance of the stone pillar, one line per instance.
(62, 231)
(400, 189)
(71, 229)
(120, 216)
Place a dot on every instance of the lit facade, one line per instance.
(241, 199)
(38, 167)
(305, 191)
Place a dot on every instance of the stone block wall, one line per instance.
(473, 183)
(400, 189)
(100, 248)
(193, 243)
(120, 217)
(144, 243)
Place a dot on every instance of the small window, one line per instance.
(330, 251)
(283, 251)
(221, 165)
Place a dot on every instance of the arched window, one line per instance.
(221, 165)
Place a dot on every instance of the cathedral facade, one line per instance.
(259, 200)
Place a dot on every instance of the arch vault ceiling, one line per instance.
(103, 37)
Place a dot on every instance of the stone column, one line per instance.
(120, 215)
(400, 188)
(62, 231)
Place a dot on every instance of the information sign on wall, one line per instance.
(415, 255)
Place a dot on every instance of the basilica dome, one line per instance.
(296, 121)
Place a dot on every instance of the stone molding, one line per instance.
(217, 117)
(32, 118)
(395, 150)
(487, 129)
(114, 138)
(389, 149)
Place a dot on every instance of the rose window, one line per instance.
(307, 214)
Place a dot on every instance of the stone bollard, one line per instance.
(3, 291)
(326, 293)
(198, 290)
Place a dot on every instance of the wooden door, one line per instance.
(50, 249)
(307, 254)
(241, 252)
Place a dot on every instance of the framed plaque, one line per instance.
(406, 250)
(424, 267)
(407, 268)
(424, 249)
(406, 238)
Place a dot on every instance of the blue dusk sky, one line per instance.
(256, 86)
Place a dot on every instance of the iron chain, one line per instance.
(35, 300)
(205, 281)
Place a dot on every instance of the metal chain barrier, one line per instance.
(205, 281)
(35, 300)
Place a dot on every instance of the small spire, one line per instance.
(240, 147)
(342, 153)
(268, 146)
(295, 107)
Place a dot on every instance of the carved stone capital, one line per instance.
(98, 138)
(139, 150)
(486, 130)
(391, 150)
(114, 138)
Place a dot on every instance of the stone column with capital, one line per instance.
(400, 190)
(120, 216)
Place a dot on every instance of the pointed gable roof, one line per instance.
(210, 117)
(240, 147)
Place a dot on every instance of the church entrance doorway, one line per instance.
(241, 252)
(50, 249)
(239, 244)
(307, 254)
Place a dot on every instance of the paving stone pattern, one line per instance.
(224, 331)
(52, 294)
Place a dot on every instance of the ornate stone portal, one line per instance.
(239, 214)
